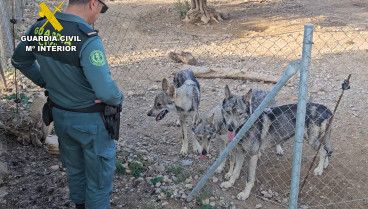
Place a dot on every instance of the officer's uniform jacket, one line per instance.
(76, 79)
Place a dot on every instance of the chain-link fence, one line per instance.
(10, 11)
(138, 37)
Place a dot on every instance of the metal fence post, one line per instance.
(300, 119)
(292, 68)
(5, 23)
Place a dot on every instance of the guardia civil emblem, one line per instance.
(97, 58)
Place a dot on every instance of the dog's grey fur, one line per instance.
(183, 98)
(211, 126)
(274, 126)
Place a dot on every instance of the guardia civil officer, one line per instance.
(79, 86)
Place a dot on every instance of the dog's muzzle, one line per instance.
(161, 115)
(204, 152)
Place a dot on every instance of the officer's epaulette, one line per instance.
(88, 31)
(41, 18)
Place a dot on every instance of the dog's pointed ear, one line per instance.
(171, 91)
(165, 84)
(227, 92)
(247, 99)
(210, 119)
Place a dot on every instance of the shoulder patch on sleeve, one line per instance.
(86, 30)
(97, 58)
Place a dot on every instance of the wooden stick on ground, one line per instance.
(227, 73)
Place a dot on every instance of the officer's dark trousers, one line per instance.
(88, 153)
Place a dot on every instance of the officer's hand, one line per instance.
(98, 101)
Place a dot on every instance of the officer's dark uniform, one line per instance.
(74, 81)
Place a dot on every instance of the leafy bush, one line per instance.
(178, 172)
(137, 169)
(154, 181)
(120, 169)
(181, 7)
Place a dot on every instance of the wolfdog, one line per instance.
(274, 126)
(211, 126)
(183, 98)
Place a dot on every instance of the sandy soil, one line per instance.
(261, 37)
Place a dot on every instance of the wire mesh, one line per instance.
(138, 36)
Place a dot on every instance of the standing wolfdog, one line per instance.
(211, 126)
(183, 98)
(274, 126)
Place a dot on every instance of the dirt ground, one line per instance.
(259, 37)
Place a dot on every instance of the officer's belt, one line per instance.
(98, 107)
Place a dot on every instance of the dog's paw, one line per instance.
(184, 151)
(318, 171)
(226, 185)
(279, 150)
(178, 124)
(228, 175)
(242, 196)
(219, 170)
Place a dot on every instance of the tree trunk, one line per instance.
(199, 11)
